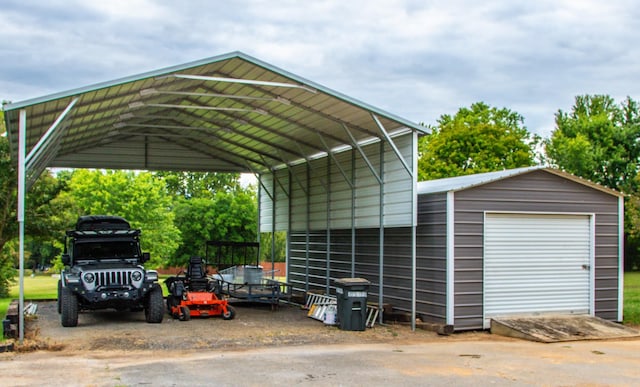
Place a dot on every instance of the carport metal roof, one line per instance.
(229, 113)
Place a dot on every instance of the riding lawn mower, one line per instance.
(193, 294)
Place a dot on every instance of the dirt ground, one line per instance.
(261, 347)
(254, 326)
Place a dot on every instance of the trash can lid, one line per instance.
(351, 281)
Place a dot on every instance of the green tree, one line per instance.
(199, 184)
(227, 216)
(476, 139)
(280, 250)
(598, 140)
(138, 197)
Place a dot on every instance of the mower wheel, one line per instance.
(185, 314)
(230, 314)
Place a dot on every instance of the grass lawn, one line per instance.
(632, 298)
(40, 287)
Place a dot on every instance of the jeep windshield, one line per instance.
(105, 250)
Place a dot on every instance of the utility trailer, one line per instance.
(240, 276)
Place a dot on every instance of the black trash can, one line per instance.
(351, 294)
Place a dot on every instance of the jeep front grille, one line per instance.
(114, 278)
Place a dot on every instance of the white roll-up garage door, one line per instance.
(536, 263)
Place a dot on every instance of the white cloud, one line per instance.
(417, 59)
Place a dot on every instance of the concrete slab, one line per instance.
(557, 328)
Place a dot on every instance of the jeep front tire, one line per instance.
(154, 308)
(68, 307)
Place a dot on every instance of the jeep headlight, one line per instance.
(89, 278)
(136, 276)
(152, 275)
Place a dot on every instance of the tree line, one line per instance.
(597, 139)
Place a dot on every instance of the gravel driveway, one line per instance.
(255, 325)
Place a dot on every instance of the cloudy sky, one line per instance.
(418, 59)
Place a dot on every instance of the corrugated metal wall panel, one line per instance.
(282, 200)
(368, 189)
(317, 195)
(299, 199)
(307, 274)
(397, 262)
(266, 204)
(341, 202)
(398, 185)
(536, 263)
(431, 253)
(326, 176)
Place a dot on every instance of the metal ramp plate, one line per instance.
(556, 328)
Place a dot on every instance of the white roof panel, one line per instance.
(460, 183)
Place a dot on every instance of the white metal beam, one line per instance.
(363, 155)
(45, 140)
(242, 81)
(620, 258)
(22, 150)
(333, 157)
(392, 144)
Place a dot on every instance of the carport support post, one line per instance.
(381, 234)
(273, 224)
(22, 146)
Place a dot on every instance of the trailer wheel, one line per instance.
(229, 314)
(68, 308)
(154, 308)
(185, 314)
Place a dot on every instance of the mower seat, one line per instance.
(196, 275)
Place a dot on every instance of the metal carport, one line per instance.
(229, 113)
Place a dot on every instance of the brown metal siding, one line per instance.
(431, 258)
(537, 191)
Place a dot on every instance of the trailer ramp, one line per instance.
(558, 328)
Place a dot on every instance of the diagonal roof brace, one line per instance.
(392, 144)
(333, 157)
(46, 139)
(363, 154)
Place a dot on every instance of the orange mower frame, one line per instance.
(195, 295)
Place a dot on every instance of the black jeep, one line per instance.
(103, 270)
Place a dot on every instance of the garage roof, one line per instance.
(229, 113)
(461, 183)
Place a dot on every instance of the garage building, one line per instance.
(523, 241)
